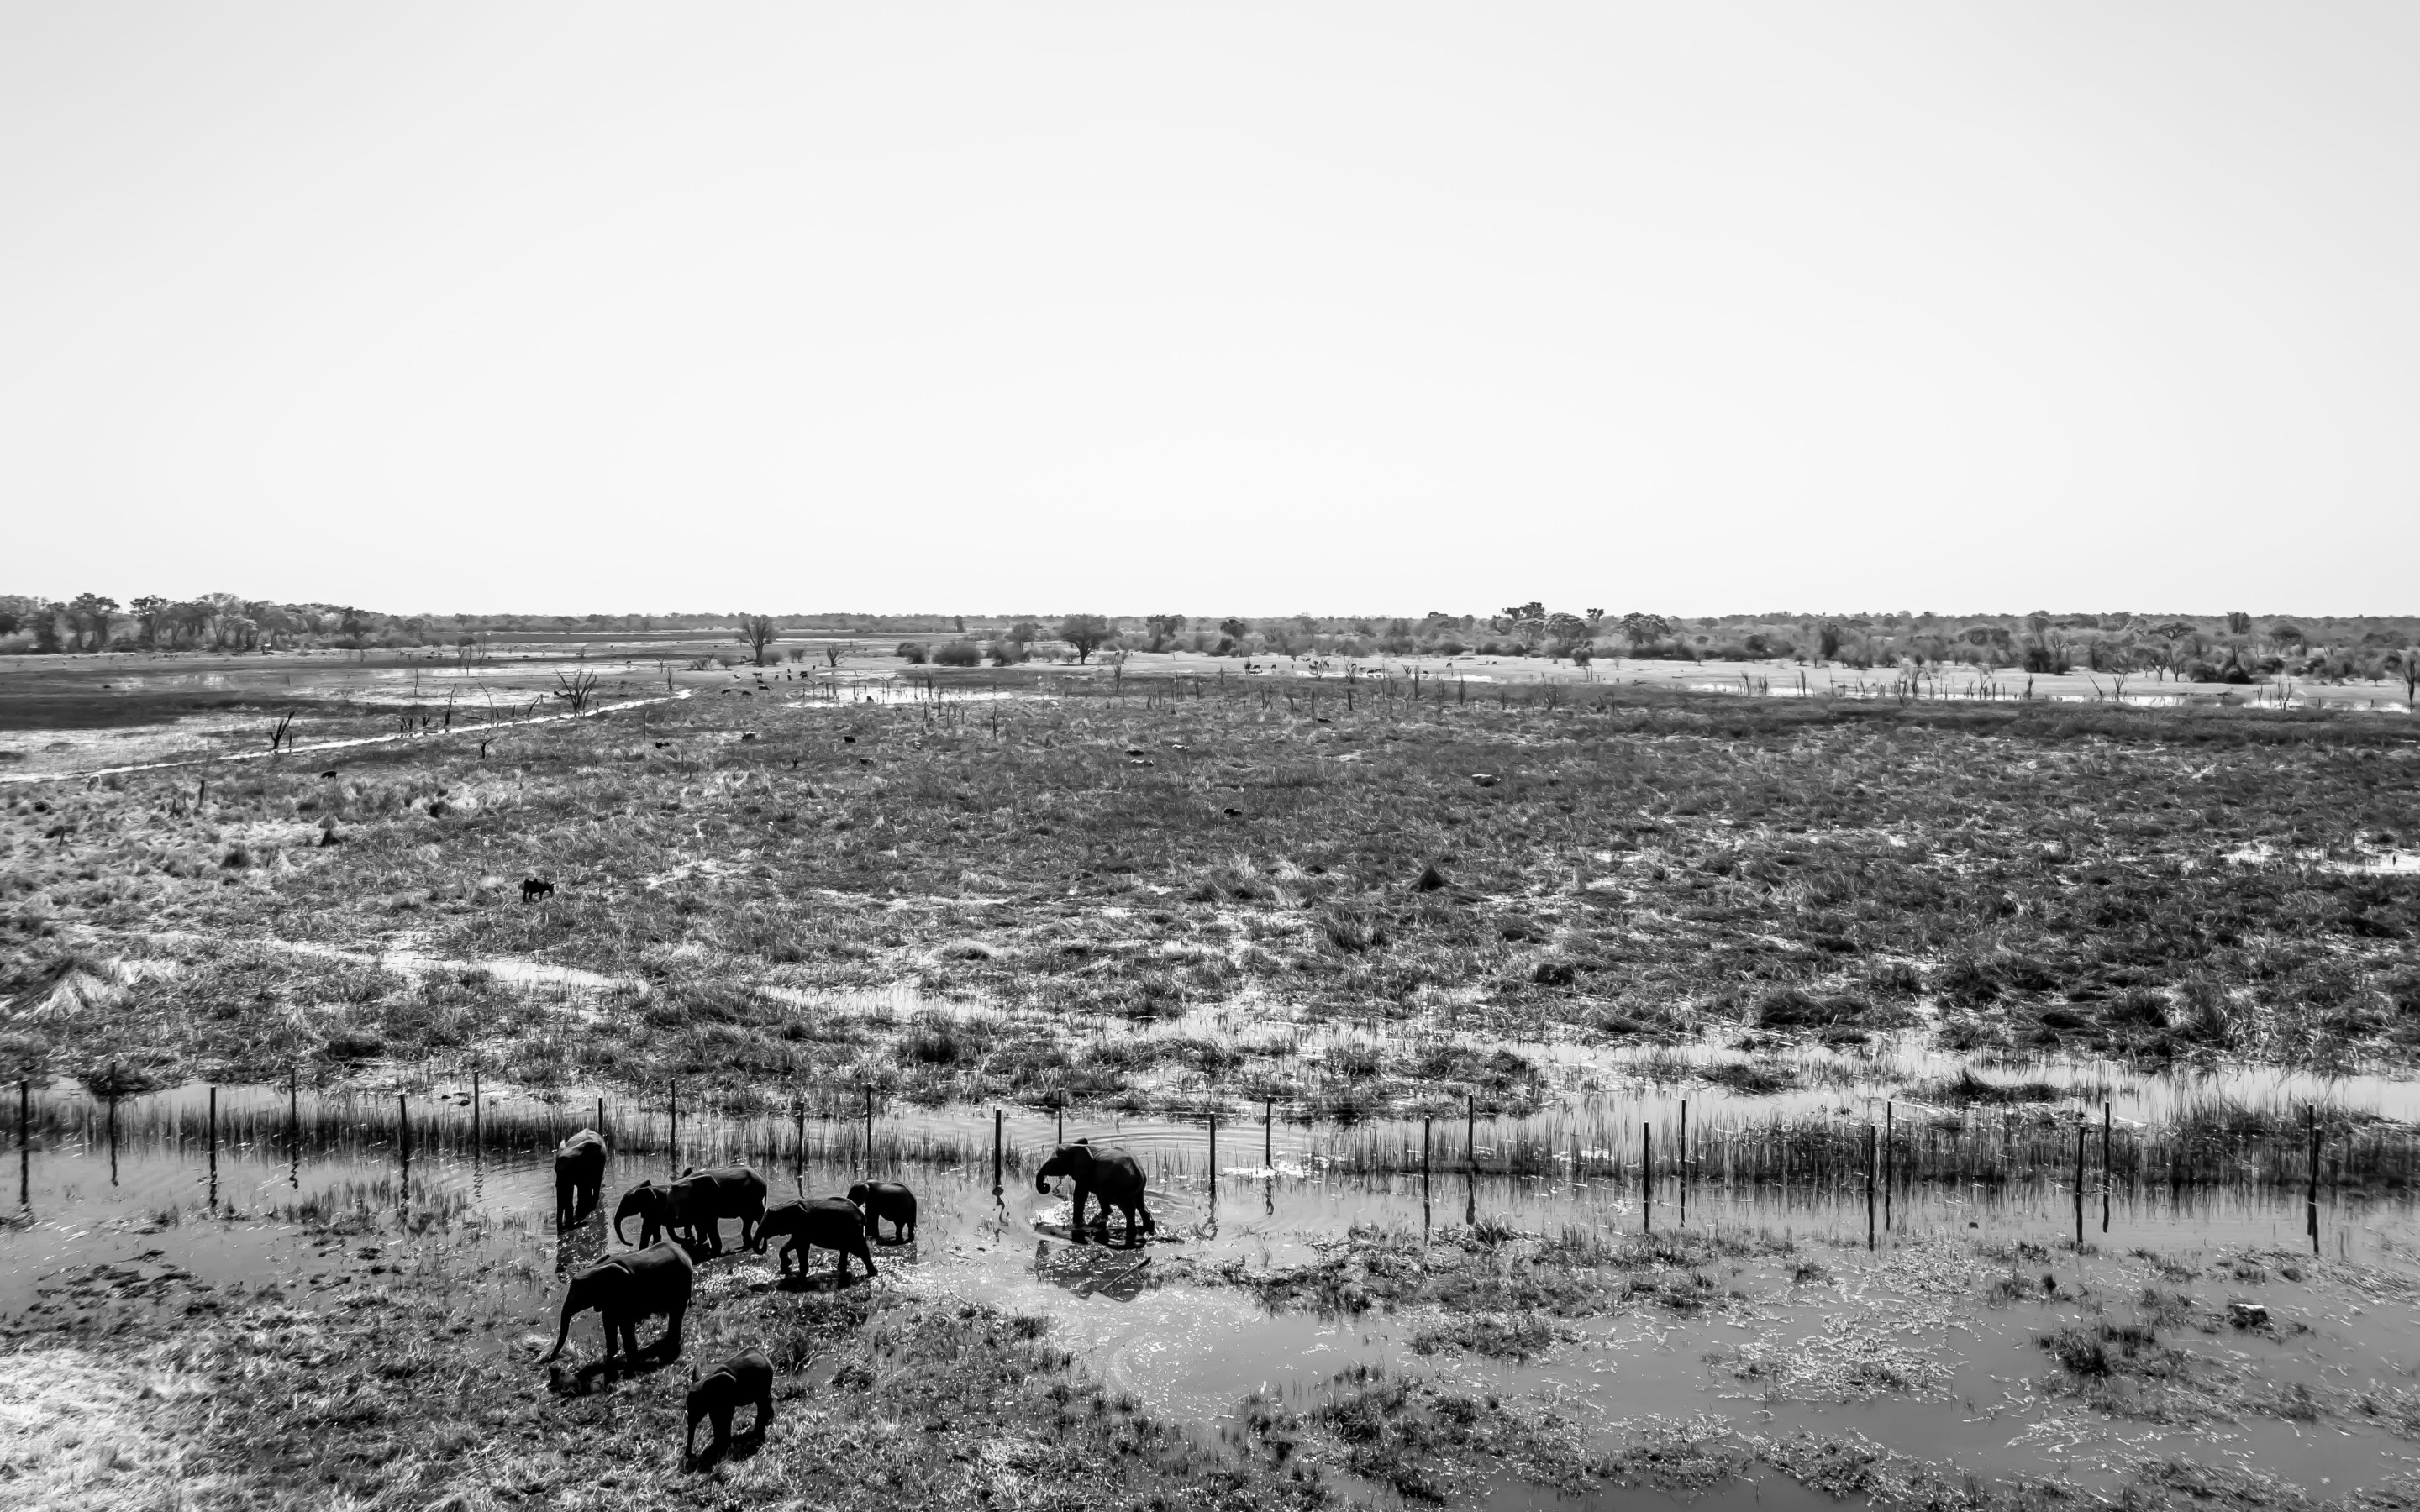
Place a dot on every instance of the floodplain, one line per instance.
(1615, 1091)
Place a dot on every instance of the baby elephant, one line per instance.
(885, 1199)
(818, 1223)
(746, 1377)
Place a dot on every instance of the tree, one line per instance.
(1162, 628)
(88, 615)
(1530, 610)
(2237, 623)
(758, 632)
(1084, 634)
(149, 610)
(1638, 630)
(1234, 628)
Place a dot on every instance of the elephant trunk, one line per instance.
(630, 1201)
(1042, 1184)
(571, 1310)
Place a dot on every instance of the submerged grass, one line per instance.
(1490, 1291)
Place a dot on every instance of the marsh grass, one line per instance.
(1643, 867)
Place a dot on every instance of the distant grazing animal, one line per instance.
(746, 1377)
(533, 888)
(326, 775)
(636, 1284)
(1117, 1176)
(579, 1177)
(885, 1199)
(813, 1223)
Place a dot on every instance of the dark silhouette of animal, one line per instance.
(326, 775)
(579, 1177)
(813, 1223)
(746, 1377)
(885, 1199)
(1114, 1175)
(645, 1283)
(697, 1202)
(532, 888)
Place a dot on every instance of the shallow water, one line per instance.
(1190, 1351)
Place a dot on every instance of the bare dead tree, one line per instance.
(576, 687)
(758, 631)
(277, 732)
(834, 649)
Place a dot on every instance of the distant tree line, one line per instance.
(2215, 648)
(2234, 647)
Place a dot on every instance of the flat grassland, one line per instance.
(1245, 864)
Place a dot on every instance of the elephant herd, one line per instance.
(655, 1280)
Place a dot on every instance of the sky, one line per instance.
(1242, 308)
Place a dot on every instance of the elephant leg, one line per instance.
(790, 1251)
(765, 1411)
(1076, 1219)
(723, 1423)
(672, 1333)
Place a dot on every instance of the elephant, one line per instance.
(697, 1202)
(746, 1377)
(628, 1286)
(579, 1177)
(813, 1223)
(1115, 1175)
(885, 1199)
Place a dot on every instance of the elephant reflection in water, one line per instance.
(1077, 1269)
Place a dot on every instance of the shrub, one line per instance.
(959, 654)
(1791, 1008)
(349, 1046)
(912, 653)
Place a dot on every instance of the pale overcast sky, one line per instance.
(1223, 308)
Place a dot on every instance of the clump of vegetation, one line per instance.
(1497, 1292)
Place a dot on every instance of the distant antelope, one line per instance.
(532, 888)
